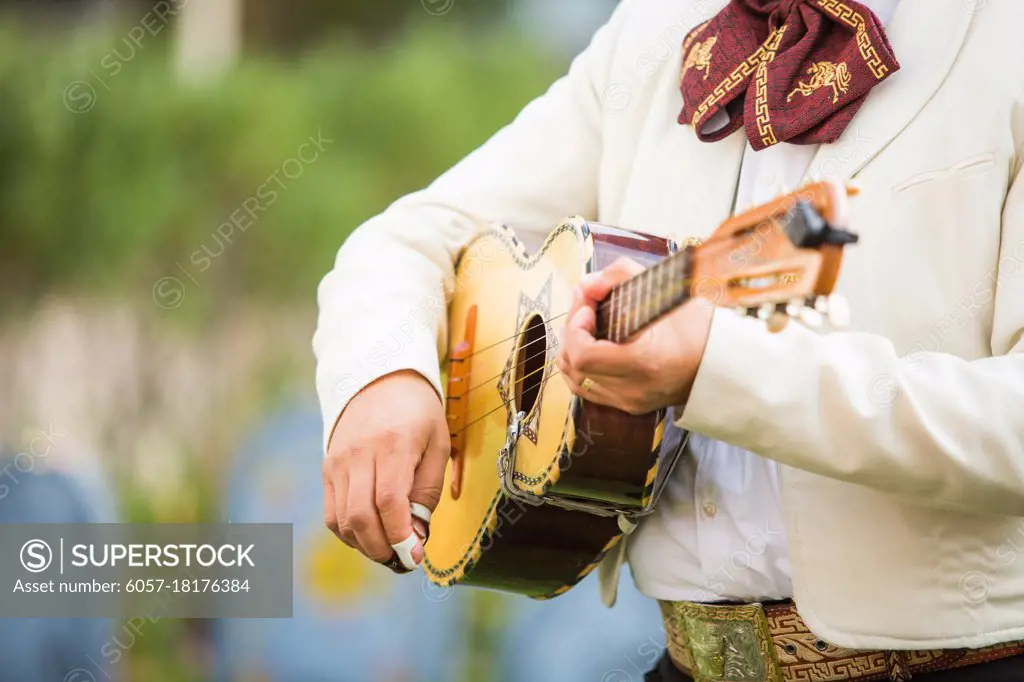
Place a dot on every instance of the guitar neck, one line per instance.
(640, 301)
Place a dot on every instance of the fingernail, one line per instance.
(422, 529)
(417, 554)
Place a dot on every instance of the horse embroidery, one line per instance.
(699, 57)
(823, 75)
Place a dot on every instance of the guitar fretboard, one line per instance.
(639, 301)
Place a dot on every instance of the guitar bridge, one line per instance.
(457, 402)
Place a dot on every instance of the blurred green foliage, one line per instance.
(275, 24)
(114, 173)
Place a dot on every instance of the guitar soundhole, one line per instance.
(530, 363)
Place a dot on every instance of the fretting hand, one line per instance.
(653, 370)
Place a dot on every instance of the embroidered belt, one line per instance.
(771, 643)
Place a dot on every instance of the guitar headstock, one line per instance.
(780, 260)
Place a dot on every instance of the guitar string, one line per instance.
(502, 405)
(487, 382)
(685, 282)
(510, 400)
(498, 343)
(603, 311)
(711, 243)
(539, 369)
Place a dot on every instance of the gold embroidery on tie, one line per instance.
(763, 119)
(823, 75)
(700, 57)
(853, 19)
(738, 75)
(693, 35)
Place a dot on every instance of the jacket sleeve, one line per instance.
(382, 308)
(932, 427)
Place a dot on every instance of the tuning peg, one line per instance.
(774, 316)
(810, 317)
(777, 321)
(834, 308)
(838, 311)
(794, 307)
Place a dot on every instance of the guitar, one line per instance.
(542, 484)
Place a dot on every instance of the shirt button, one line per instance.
(710, 509)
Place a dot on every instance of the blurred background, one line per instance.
(175, 178)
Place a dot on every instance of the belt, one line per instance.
(771, 643)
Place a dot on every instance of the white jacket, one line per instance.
(902, 440)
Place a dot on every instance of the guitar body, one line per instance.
(504, 321)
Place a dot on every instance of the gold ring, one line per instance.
(587, 384)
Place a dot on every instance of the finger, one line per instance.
(577, 337)
(578, 377)
(362, 515)
(394, 482)
(595, 392)
(570, 373)
(597, 285)
(609, 385)
(330, 514)
(345, 533)
(428, 480)
(584, 318)
(589, 356)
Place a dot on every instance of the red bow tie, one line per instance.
(787, 70)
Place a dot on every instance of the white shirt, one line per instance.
(718, 533)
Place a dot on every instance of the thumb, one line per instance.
(597, 285)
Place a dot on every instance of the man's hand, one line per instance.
(389, 448)
(653, 370)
